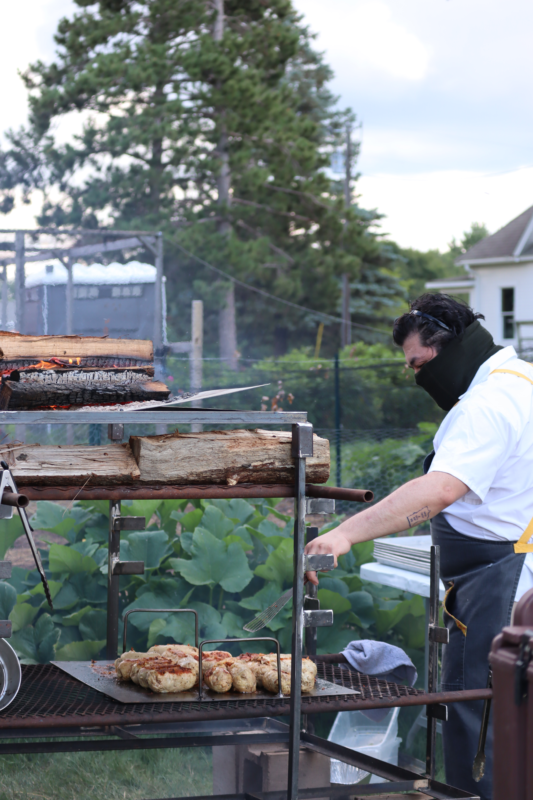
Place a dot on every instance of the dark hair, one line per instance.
(453, 313)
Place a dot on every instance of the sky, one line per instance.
(441, 90)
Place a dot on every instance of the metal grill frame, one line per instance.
(121, 728)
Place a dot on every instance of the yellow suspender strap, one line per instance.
(521, 546)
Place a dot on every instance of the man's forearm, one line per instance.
(413, 503)
(417, 501)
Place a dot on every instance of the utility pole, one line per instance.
(158, 304)
(227, 323)
(4, 298)
(346, 327)
(20, 282)
(70, 298)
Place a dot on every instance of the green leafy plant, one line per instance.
(225, 559)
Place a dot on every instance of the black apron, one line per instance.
(481, 578)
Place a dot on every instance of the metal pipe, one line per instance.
(15, 500)
(244, 490)
(433, 653)
(113, 581)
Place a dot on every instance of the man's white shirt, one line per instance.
(486, 441)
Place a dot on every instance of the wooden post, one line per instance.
(20, 287)
(196, 354)
(70, 298)
(158, 305)
(228, 331)
(4, 298)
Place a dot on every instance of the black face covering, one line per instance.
(447, 376)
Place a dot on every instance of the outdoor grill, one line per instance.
(59, 713)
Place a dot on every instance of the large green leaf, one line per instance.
(79, 651)
(239, 509)
(63, 558)
(213, 562)
(10, 530)
(140, 508)
(76, 617)
(190, 520)
(266, 595)
(8, 598)
(93, 625)
(216, 522)
(333, 585)
(334, 601)
(22, 615)
(53, 517)
(35, 644)
(180, 627)
(233, 625)
(165, 593)
(335, 638)
(278, 566)
(148, 546)
(362, 605)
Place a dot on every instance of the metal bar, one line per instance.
(4, 298)
(163, 415)
(167, 492)
(433, 655)
(113, 581)
(380, 768)
(300, 453)
(158, 309)
(159, 611)
(311, 632)
(338, 421)
(138, 743)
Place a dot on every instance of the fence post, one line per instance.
(20, 282)
(338, 420)
(196, 355)
(158, 307)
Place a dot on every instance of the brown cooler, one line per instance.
(511, 659)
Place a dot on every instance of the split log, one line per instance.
(16, 396)
(18, 347)
(71, 465)
(225, 457)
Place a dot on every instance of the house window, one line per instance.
(508, 313)
(127, 291)
(86, 292)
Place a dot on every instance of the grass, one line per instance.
(135, 775)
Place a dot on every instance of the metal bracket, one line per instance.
(318, 562)
(115, 431)
(302, 440)
(5, 629)
(318, 619)
(311, 603)
(319, 505)
(437, 711)
(438, 635)
(6, 484)
(127, 567)
(129, 523)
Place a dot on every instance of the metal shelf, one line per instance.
(159, 416)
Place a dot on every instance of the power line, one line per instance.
(319, 314)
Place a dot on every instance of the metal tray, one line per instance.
(100, 675)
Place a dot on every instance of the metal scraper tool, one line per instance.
(268, 614)
(28, 530)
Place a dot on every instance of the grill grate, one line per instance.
(49, 696)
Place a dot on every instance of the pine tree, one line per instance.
(213, 123)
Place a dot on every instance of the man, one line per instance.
(477, 491)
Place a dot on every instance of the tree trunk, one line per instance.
(227, 329)
(225, 457)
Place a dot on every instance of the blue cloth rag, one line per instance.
(381, 660)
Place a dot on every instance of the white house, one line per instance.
(499, 281)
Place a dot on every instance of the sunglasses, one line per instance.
(416, 313)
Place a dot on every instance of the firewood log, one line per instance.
(17, 347)
(225, 457)
(71, 465)
(18, 396)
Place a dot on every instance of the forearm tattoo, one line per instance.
(418, 516)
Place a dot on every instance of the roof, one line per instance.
(94, 274)
(514, 240)
(465, 281)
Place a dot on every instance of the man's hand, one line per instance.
(333, 542)
(414, 502)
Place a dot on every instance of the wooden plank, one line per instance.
(16, 346)
(225, 457)
(15, 395)
(71, 465)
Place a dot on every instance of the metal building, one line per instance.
(116, 300)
